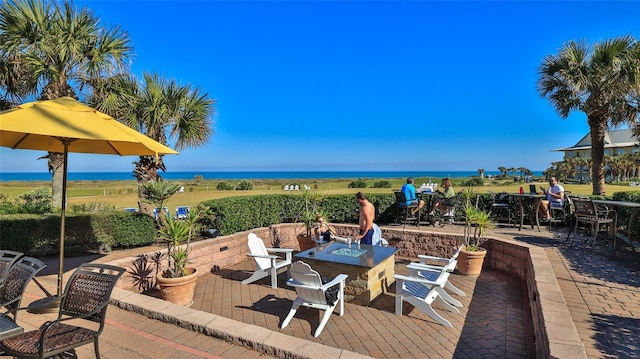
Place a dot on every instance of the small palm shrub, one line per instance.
(224, 186)
(358, 184)
(382, 184)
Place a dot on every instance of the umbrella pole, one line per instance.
(62, 216)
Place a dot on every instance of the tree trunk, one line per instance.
(147, 170)
(56, 160)
(54, 90)
(598, 128)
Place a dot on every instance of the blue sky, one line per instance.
(357, 85)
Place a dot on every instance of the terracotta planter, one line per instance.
(470, 263)
(178, 290)
(305, 242)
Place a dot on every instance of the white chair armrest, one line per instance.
(287, 251)
(422, 266)
(262, 256)
(424, 258)
(339, 278)
(414, 279)
(280, 250)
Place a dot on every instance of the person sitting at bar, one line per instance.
(443, 197)
(555, 198)
(409, 191)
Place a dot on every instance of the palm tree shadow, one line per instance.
(617, 336)
(597, 262)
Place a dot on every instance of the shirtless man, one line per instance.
(367, 213)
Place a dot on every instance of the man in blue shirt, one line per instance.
(410, 194)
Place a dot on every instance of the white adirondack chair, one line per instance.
(438, 276)
(286, 187)
(443, 264)
(267, 264)
(311, 293)
(421, 292)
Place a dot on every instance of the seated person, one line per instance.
(409, 191)
(555, 198)
(323, 229)
(443, 197)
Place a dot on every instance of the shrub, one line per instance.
(224, 186)
(38, 201)
(472, 182)
(382, 184)
(93, 207)
(358, 184)
(7, 206)
(244, 186)
(235, 214)
(38, 235)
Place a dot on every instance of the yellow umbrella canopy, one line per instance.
(65, 125)
(42, 125)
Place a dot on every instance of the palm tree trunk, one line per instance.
(146, 170)
(598, 128)
(56, 160)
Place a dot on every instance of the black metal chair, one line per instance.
(500, 208)
(561, 214)
(403, 211)
(19, 276)
(7, 259)
(586, 212)
(86, 297)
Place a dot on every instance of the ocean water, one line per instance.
(116, 176)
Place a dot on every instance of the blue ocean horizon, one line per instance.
(248, 175)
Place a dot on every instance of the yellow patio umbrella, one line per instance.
(65, 125)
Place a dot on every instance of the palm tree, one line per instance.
(481, 172)
(160, 108)
(600, 81)
(503, 171)
(51, 50)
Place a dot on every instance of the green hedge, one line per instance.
(235, 214)
(624, 213)
(39, 235)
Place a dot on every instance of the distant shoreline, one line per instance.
(249, 175)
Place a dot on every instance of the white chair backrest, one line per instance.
(457, 253)
(377, 235)
(302, 273)
(256, 246)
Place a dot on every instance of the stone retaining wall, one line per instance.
(555, 333)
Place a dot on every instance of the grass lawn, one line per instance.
(122, 194)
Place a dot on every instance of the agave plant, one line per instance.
(477, 223)
(174, 232)
(177, 231)
(310, 210)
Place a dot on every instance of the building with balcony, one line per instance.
(616, 143)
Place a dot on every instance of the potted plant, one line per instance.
(471, 257)
(177, 281)
(309, 211)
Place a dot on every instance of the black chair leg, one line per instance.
(95, 346)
